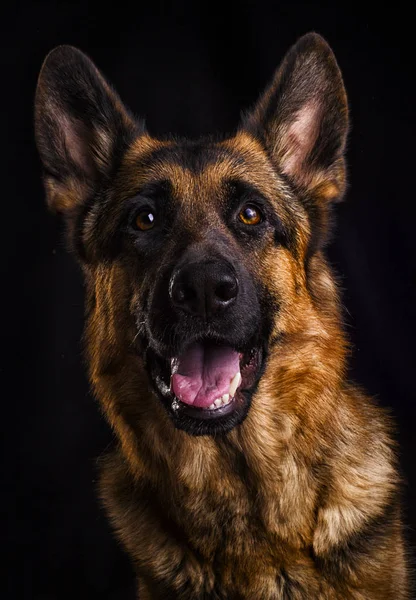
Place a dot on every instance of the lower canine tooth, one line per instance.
(218, 402)
(235, 382)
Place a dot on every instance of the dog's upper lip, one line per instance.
(214, 338)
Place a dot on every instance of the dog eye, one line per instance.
(250, 215)
(144, 220)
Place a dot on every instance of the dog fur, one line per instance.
(297, 497)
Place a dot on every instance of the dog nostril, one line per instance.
(227, 289)
(182, 293)
(179, 295)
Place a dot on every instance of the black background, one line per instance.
(189, 70)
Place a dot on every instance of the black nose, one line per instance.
(204, 288)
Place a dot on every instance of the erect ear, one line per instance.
(302, 118)
(81, 127)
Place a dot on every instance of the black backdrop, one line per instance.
(189, 70)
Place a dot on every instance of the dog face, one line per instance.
(198, 255)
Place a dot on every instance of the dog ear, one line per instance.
(81, 127)
(302, 118)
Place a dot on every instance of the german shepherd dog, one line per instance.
(247, 466)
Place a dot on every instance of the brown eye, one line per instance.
(250, 215)
(144, 220)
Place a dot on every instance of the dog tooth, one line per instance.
(226, 398)
(234, 383)
(211, 406)
(218, 402)
(175, 404)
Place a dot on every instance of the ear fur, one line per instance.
(81, 127)
(302, 118)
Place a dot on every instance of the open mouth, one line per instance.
(208, 386)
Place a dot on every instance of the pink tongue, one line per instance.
(204, 373)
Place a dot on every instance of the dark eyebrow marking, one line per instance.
(152, 189)
(241, 187)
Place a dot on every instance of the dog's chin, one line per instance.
(194, 412)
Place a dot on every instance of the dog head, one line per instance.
(202, 258)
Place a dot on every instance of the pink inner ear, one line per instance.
(75, 139)
(299, 140)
